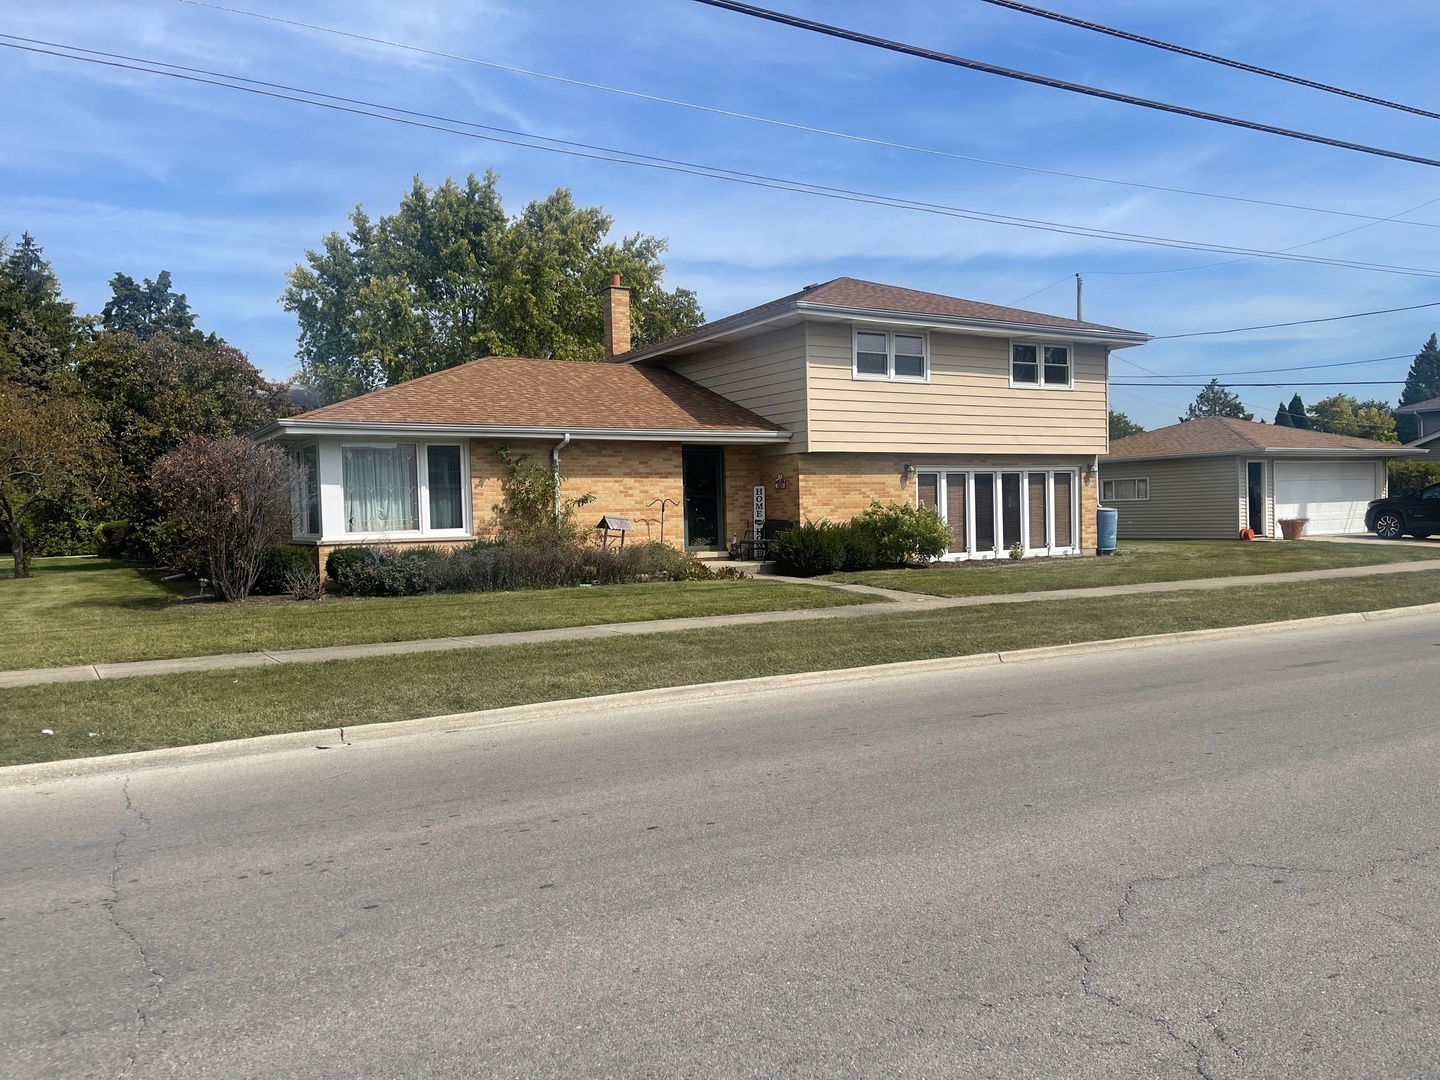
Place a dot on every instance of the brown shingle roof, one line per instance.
(852, 292)
(1223, 435)
(847, 292)
(504, 392)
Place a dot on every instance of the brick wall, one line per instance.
(742, 473)
(839, 486)
(623, 476)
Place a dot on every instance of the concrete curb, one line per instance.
(585, 708)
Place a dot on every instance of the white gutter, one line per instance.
(1386, 450)
(300, 426)
(555, 469)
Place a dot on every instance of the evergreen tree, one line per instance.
(149, 309)
(1299, 417)
(38, 327)
(1215, 400)
(1421, 384)
(1282, 416)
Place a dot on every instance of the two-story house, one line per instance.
(813, 404)
(1427, 423)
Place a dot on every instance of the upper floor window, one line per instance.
(1040, 365)
(888, 355)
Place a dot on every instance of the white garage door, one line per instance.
(1332, 494)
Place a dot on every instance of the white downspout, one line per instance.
(555, 469)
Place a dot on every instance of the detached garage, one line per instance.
(1210, 478)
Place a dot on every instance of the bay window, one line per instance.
(403, 488)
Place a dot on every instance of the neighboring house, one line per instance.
(1212, 477)
(841, 393)
(1427, 418)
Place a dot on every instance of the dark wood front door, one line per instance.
(703, 469)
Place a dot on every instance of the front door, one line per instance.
(1255, 495)
(702, 468)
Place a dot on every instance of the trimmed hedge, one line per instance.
(488, 567)
(893, 535)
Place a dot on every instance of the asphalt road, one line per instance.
(1211, 860)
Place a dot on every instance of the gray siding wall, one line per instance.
(1190, 498)
(765, 373)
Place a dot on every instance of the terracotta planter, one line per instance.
(1291, 528)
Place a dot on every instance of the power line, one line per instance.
(1238, 65)
(1282, 385)
(1270, 371)
(1057, 84)
(1278, 251)
(590, 151)
(1047, 288)
(796, 126)
(1296, 322)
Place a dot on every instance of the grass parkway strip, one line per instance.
(178, 710)
(82, 611)
(100, 611)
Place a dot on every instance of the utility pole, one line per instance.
(1079, 298)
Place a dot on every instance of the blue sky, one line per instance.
(122, 171)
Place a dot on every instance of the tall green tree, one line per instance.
(450, 277)
(51, 452)
(1299, 417)
(1282, 416)
(38, 326)
(147, 309)
(1215, 400)
(1122, 427)
(1342, 414)
(1422, 383)
(153, 395)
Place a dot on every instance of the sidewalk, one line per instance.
(899, 602)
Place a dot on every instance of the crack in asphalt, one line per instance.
(1086, 947)
(142, 1008)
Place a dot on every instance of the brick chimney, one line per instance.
(617, 318)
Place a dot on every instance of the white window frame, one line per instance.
(1040, 347)
(422, 489)
(303, 496)
(1107, 489)
(1046, 544)
(889, 335)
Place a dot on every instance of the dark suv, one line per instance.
(1417, 514)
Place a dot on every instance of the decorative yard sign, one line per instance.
(759, 515)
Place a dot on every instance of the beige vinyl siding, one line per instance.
(765, 373)
(967, 406)
(1190, 498)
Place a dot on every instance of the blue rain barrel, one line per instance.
(1107, 524)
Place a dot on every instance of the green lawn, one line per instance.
(1137, 561)
(84, 611)
(175, 710)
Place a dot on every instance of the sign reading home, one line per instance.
(759, 515)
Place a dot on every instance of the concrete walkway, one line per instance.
(899, 602)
